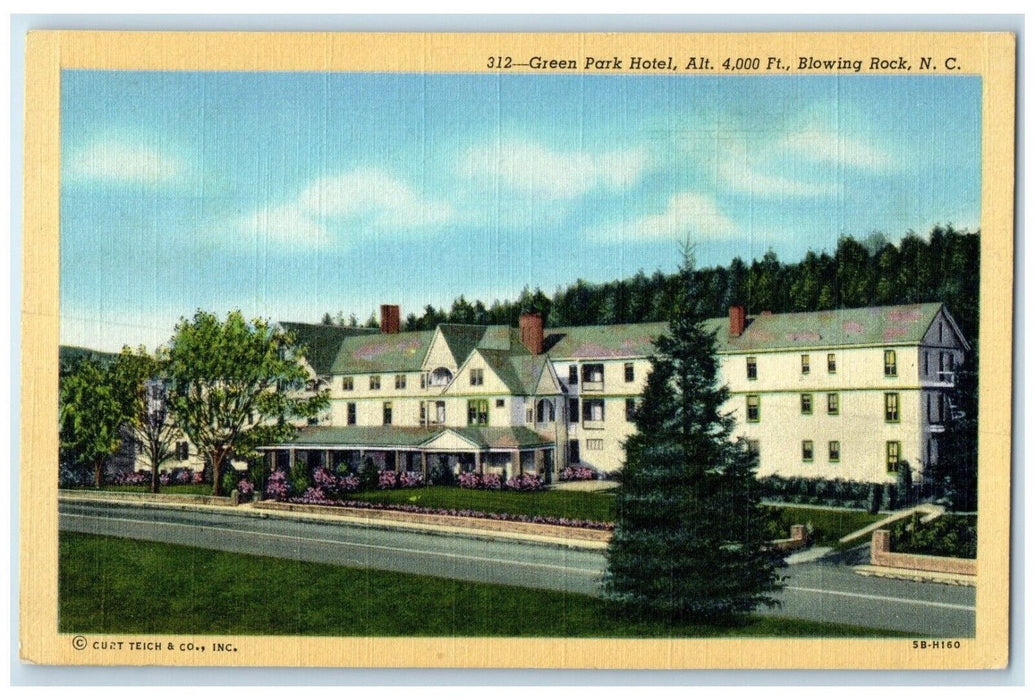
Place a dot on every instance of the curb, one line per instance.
(916, 575)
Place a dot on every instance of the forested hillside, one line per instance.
(942, 266)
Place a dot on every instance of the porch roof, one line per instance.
(360, 436)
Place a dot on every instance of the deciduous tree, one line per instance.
(235, 384)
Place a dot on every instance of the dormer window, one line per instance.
(441, 377)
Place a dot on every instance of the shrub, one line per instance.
(525, 482)
(470, 480)
(137, 478)
(409, 480)
(947, 536)
(70, 476)
(368, 474)
(164, 479)
(439, 473)
(198, 478)
(387, 480)
(577, 474)
(277, 486)
(245, 488)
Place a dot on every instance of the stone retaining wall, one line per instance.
(556, 531)
(148, 497)
(798, 539)
(881, 555)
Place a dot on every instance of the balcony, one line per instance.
(593, 386)
(593, 424)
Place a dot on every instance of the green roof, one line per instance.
(518, 369)
(603, 342)
(322, 341)
(391, 436)
(869, 326)
(380, 352)
(461, 339)
(504, 437)
(363, 436)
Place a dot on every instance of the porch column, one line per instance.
(291, 460)
(478, 461)
(539, 460)
(327, 460)
(424, 465)
(515, 458)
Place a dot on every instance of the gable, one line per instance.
(944, 333)
(548, 384)
(439, 354)
(449, 440)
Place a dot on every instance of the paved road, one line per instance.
(816, 591)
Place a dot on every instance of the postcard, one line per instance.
(587, 351)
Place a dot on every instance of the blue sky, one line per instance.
(287, 195)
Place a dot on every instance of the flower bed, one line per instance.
(494, 482)
(317, 498)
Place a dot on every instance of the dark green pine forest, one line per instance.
(942, 266)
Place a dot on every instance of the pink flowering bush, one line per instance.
(409, 480)
(469, 480)
(313, 494)
(387, 480)
(198, 478)
(245, 487)
(577, 474)
(277, 486)
(138, 478)
(492, 481)
(525, 482)
(164, 479)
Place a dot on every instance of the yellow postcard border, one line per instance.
(990, 55)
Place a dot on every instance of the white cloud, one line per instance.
(285, 224)
(374, 197)
(115, 160)
(687, 214)
(743, 177)
(832, 147)
(533, 169)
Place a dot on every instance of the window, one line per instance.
(573, 374)
(630, 373)
(386, 413)
(806, 450)
(182, 450)
(400, 381)
(350, 413)
(754, 408)
(500, 403)
(929, 409)
(529, 413)
(423, 417)
(573, 410)
(478, 412)
(835, 451)
(941, 362)
(440, 412)
(890, 364)
(544, 411)
(593, 410)
(893, 455)
(752, 368)
(891, 408)
(806, 404)
(753, 447)
(941, 331)
(831, 363)
(805, 364)
(595, 444)
(630, 409)
(347, 384)
(477, 377)
(833, 404)
(927, 363)
(375, 381)
(423, 380)
(593, 374)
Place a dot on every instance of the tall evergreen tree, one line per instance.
(691, 535)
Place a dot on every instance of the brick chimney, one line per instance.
(532, 333)
(738, 320)
(389, 318)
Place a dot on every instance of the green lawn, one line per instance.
(112, 585)
(829, 525)
(576, 505)
(186, 489)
